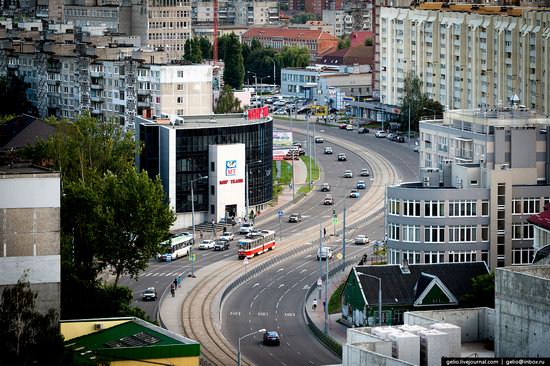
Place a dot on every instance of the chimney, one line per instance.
(405, 267)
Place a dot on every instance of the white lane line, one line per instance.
(255, 297)
(298, 353)
(269, 354)
(280, 298)
(281, 285)
(262, 290)
(252, 303)
(279, 278)
(277, 306)
(303, 270)
(280, 269)
(256, 284)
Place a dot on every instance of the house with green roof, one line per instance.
(127, 341)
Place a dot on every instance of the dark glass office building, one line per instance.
(179, 152)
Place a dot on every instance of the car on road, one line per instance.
(400, 139)
(221, 245)
(348, 174)
(295, 217)
(319, 140)
(246, 228)
(271, 338)
(365, 172)
(325, 187)
(416, 148)
(227, 236)
(362, 239)
(361, 184)
(149, 294)
(207, 244)
(292, 155)
(343, 126)
(280, 112)
(354, 193)
(328, 150)
(325, 253)
(349, 127)
(362, 130)
(390, 136)
(380, 134)
(297, 144)
(342, 157)
(301, 151)
(328, 200)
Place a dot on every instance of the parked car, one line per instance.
(319, 140)
(390, 136)
(301, 151)
(361, 184)
(328, 200)
(365, 172)
(221, 245)
(207, 244)
(349, 127)
(342, 157)
(328, 150)
(348, 174)
(295, 217)
(246, 228)
(280, 112)
(325, 187)
(297, 144)
(362, 239)
(400, 139)
(228, 220)
(325, 253)
(354, 193)
(292, 155)
(343, 126)
(271, 338)
(227, 236)
(149, 294)
(380, 134)
(416, 148)
(362, 130)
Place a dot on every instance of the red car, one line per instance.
(343, 126)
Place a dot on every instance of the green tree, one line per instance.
(292, 56)
(233, 73)
(134, 219)
(27, 336)
(482, 293)
(193, 51)
(302, 18)
(260, 62)
(227, 102)
(417, 102)
(368, 42)
(13, 94)
(344, 42)
(206, 48)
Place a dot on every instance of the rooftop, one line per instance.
(498, 117)
(541, 219)
(204, 121)
(293, 34)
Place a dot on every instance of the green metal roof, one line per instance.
(133, 340)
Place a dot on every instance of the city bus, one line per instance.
(176, 247)
(260, 242)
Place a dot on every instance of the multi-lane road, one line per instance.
(277, 300)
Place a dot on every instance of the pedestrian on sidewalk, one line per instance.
(201, 233)
(176, 282)
(324, 232)
(314, 307)
(324, 304)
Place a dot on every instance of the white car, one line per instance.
(319, 139)
(348, 174)
(362, 239)
(349, 128)
(207, 244)
(246, 228)
(325, 253)
(227, 236)
(380, 134)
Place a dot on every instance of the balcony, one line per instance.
(96, 98)
(97, 86)
(143, 92)
(143, 103)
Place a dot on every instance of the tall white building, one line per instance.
(256, 12)
(467, 56)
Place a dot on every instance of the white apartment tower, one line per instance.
(468, 56)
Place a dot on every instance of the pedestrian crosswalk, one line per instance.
(162, 274)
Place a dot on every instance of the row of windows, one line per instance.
(438, 234)
(397, 256)
(463, 208)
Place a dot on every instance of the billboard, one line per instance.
(279, 154)
(282, 139)
(257, 113)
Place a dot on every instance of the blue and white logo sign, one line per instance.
(231, 167)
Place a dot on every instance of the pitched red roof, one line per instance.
(358, 37)
(542, 219)
(286, 33)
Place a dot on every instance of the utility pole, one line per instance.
(344, 236)
(326, 295)
(320, 257)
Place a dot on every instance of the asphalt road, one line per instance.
(161, 274)
(275, 299)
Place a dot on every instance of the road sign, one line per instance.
(339, 256)
(335, 220)
(319, 282)
(280, 213)
(192, 258)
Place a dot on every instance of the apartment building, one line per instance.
(256, 13)
(108, 79)
(468, 56)
(483, 173)
(315, 40)
(202, 12)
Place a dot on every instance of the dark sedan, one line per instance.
(271, 338)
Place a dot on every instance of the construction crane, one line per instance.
(215, 45)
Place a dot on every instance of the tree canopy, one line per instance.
(302, 18)
(27, 336)
(344, 42)
(416, 102)
(227, 102)
(193, 51)
(233, 73)
(482, 293)
(292, 56)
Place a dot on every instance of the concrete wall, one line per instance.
(360, 354)
(522, 306)
(476, 324)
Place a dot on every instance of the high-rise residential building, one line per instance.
(468, 56)
(483, 173)
(256, 12)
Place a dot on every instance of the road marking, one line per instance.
(255, 297)
(252, 303)
(298, 353)
(262, 290)
(303, 270)
(309, 255)
(306, 287)
(235, 313)
(155, 274)
(147, 274)
(276, 306)
(290, 314)
(279, 278)
(269, 354)
(263, 313)
(280, 269)
(256, 284)
(280, 298)
(226, 255)
(311, 362)
(281, 285)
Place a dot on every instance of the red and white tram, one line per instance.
(259, 242)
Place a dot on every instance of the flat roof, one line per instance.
(24, 168)
(501, 117)
(204, 121)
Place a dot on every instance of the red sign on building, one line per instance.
(257, 113)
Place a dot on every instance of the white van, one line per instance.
(325, 253)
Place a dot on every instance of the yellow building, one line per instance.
(127, 341)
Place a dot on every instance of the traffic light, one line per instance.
(333, 212)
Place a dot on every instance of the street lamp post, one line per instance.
(193, 219)
(379, 295)
(246, 187)
(274, 76)
(261, 82)
(239, 348)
